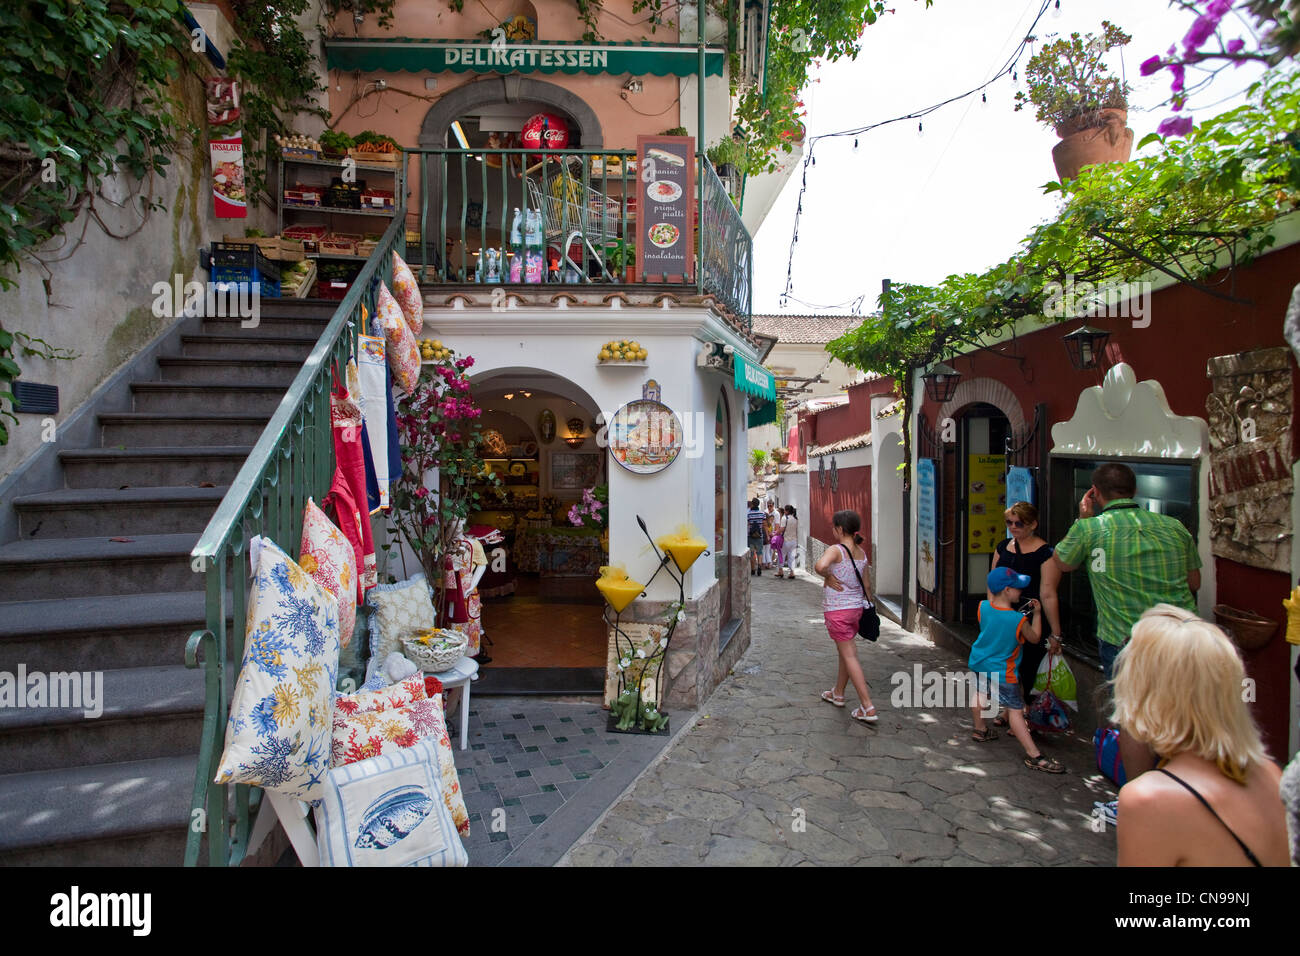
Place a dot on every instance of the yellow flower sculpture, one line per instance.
(617, 588)
(684, 544)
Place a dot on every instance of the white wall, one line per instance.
(887, 499)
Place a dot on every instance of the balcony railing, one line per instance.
(584, 203)
(292, 461)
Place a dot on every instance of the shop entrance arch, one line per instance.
(542, 617)
(975, 495)
(887, 498)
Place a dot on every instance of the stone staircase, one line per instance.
(100, 581)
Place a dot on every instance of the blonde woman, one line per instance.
(1213, 798)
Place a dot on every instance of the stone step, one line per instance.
(98, 631)
(44, 569)
(90, 512)
(247, 345)
(228, 371)
(199, 398)
(163, 465)
(292, 326)
(150, 429)
(137, 713)
(131, 813)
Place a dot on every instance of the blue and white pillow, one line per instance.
(388, 811)
(282, 712)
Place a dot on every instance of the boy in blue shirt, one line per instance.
(995, 660)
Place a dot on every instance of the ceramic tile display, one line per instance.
(645, 436)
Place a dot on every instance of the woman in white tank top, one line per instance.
(842, 603)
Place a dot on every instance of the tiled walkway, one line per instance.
(550, 766)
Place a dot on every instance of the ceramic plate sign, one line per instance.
(665, 244)
(645, 436)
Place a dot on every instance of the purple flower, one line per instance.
(1175, 126)
(1151, 66)
(1206, 24)
(1235, 46)
(1179, 72)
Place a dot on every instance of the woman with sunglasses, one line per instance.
(1024, 552)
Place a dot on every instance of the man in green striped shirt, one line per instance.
(1135, 558)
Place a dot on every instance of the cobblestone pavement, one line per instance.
(766, 754)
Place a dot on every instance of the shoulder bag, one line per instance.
(869, 623)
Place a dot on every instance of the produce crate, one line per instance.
(376, 159)
(303, 287)
(309, 236)
(341, 195)
(378, 199)
(295, 153)
(277, 248)
(242, 257)
(303, 195)
(366, 246)
(331, 289)
(340, 243)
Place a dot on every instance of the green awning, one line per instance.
(754, 379)
(393, 54)
(764, 414)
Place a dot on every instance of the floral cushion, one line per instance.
(329, 558)
(400, 610)
(400, 345)
(407, 294)
(369, 734)
(281, 715)
(376, 701)
(386, 811)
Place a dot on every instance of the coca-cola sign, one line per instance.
(545, 130)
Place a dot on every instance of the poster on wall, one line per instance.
(1020, 487)
(665, 245)
(927, 528)
(226, 149)
(986, 497)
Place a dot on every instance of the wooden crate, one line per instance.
(274, 247)
(364, 158)
(304, 289)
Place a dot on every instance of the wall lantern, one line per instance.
(1086, 346)
(941, 382)
(835, 476)
(576, 429)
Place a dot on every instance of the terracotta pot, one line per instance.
(1109, 142)
(1248, 630)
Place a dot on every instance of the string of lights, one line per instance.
(1009, 68)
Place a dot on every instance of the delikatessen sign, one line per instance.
(391, 54)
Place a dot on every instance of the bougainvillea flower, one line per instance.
(1152, 65)
(1176, 126)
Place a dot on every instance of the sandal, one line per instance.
(867, 716)
(830, 698)
(1000, 721)
(984, 736)
(1044, 763)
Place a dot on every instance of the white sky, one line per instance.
(960, 197)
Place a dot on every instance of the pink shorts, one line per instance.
(843, 625)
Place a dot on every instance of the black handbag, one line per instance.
(869, 623)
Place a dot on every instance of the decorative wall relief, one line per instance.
(1250, 458)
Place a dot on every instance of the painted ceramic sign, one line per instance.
(645, 436)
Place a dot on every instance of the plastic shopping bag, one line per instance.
(1055, 675)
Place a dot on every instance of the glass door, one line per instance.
(722, 509)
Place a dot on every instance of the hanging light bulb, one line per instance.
(984, 99)
(1056, 12)
(920, 130)
(855, 144)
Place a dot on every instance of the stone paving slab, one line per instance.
(770, 775)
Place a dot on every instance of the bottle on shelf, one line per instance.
(516, 272)
(534, 262)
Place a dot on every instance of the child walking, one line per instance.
(844, 568)
(995, 661)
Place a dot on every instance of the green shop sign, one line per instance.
(754, 379)
(394, 54)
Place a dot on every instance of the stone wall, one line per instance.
(694, 668)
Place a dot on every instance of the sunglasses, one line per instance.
(1012, 523)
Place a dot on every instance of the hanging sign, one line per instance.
(927, 529)
(986, 494)
(665, 243)
(228, 197)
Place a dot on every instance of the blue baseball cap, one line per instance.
(1002, 578)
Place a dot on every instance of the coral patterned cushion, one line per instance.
(407, 294)
(400, 345)
(386, 811)
(391, 697)
(400, 610)
(330, 559)
(281, 715)
(369, 734)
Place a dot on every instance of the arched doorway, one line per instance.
(975, 494)
(722, 513)
(541, 614)
(887, 499)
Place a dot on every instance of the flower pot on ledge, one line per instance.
(1106, 139)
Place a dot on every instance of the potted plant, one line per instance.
(1074, 92)
(620, 256)
(758, 459)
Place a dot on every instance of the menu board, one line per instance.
(665, 245)
(986, 496)
(927, 528)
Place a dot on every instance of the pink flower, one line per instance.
(1176, 126)
(1151, 66)
(1235, 46)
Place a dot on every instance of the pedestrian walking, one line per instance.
(789, 542)
(1214, 798)
(844, 570)
(777, 542)
(1136, 559)
(1024, 552)
(769, 529)
(754, 519)
(995, 661)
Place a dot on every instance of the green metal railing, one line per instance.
(469, 198)
(292, 461)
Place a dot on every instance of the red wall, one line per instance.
(854, 492)
(1187, 327)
